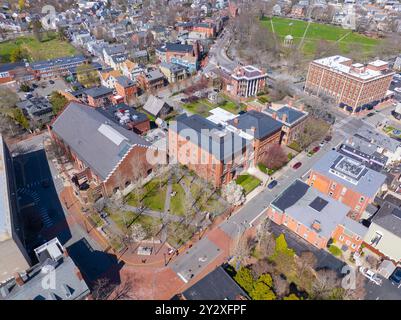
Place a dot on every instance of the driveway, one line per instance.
(387, 291)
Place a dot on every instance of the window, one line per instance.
(333, 186)
(306, 235)
(341, 238)
(298, 226)
(331, 193)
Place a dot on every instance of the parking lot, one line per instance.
(43, 88)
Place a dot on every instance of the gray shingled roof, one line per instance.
(154, 105)
(78, 126)
(389, 218)
(263, 123)
(98, 91)
(216, 140)
(369, 183)
(217, 285)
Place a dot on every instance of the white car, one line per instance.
(373, 277)
(398, 89)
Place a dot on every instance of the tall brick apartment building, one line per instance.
(213, 152)
(346, 180)
(354, 86)
(107, 157)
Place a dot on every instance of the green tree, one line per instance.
(282, 246)
(88, 76)
(245, 279)
(58, 102)
(262, 289)
(18, 54)
(291, 297)
(21, 4)
(19, 117)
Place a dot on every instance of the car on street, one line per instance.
(321, 144)
(395, 277)
(272, 184)
(297, 165)
(51, 82)
(316, 149)
(370, 114)
(371, 275)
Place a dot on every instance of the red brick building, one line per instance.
(316, 217)
(98, 96)
(107, 157)
(215, 154)
(126, 88)
(244, 82)
(354, 86)
(346, 180)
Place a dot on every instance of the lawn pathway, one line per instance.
(303, 37)
(344, 36)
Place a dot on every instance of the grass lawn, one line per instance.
(316, 32)
(203, 106)
(248, 182)
(154, 196)
(131, 218)
(198, 107)
(392, 132)
(177, 202)
(50, 48)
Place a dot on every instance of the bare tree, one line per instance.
(274, 157)
(307, 259)
(102, 289)
(324, 285)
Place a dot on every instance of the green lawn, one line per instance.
(203, 106)
(248, 182)
(130, 218)
(177, 202)
(50, 48)
(316, 32)
(154, 195)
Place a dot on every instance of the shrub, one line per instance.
(335, 251)
(295, 146)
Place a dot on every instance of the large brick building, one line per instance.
(216, 154)
(354, 86)
(184, 55)
(107, 157)
(346, 180)
(316, 217)
(264, 129)
(243, 82)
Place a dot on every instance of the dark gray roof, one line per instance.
(98, 91)
(155, 105)
(292, 114)
(124, 81)
(178, 47)
(97, 141)
(217, 285)
(11, 66)
(213, 138)
(290, 195)
(264, 124)
(58, 62)
(389, 218)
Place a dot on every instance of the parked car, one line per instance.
(395, 278)
(373, 277)
(297, 165)
(316, 149)
(272, 184)
(51, 81)
(328, 138)
(321, 144)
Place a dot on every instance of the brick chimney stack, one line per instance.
(285, 117)
(18, 279)
(274, 115)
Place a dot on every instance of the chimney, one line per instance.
(274, 115)
(66, 254)
(79, 274)
(316, 225)
(18, 279)
(284, 119)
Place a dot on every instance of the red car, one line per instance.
(297, 165)
(316, 149)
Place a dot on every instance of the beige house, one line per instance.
(384, 235)
(13, 256)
